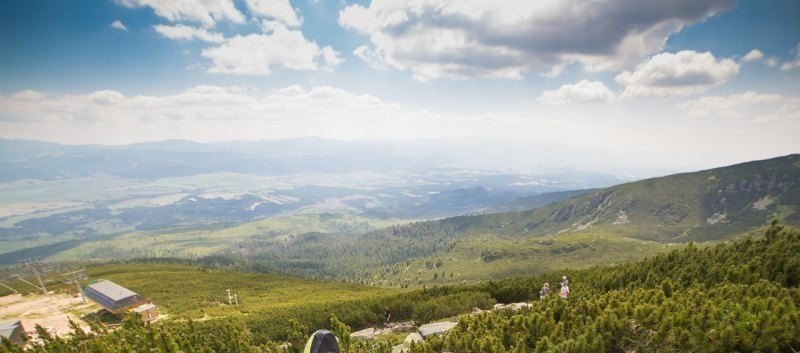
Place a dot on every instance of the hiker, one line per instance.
(564, 281)
(322, 341)
(564, 292)
(387, 314)
(544, 291)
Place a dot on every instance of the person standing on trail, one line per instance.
(544, 291)
(387, 314)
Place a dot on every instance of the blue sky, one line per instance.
(639, 77)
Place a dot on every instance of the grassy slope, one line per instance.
(187, 291)
(489, 256)
(201, 242)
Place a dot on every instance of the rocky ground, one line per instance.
(420, 333)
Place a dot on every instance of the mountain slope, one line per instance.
(602, 227)
(705, 205)
(740, 297)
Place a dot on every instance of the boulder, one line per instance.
(405, 326)
(436, 328)
(400, 348)
(517, 306)
(413, 337)
(367, 334)
(498, 306)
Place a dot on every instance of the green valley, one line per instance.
(599, 228)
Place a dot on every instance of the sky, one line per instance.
(682, 83)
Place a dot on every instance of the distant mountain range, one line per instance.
(22, 159)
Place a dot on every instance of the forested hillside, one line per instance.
(739, 297)
(698, 206)
(601, 227)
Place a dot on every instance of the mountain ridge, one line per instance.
(590, 229)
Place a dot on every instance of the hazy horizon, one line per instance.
(666, 86)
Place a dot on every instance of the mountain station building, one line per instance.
(12, 330)
(119, 300)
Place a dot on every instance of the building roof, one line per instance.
(112, 296)
(144, 307)
(7, 329)
(112, 290)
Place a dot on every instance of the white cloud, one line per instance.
(756, 55)
(225, 113)
(731, 105)
(677, 74)
(212, 113)
(583, 91)
(790, 111)
(753, 55)
(506, 38)
(184, 32)
(330, 57)
(771, 62)
(278, 10)
(792, 64)
(788, 114)
(117, 24)
(28, 95)
(255, 54)
(207, 12)
(370, 57)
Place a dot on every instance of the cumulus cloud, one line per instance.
(584, 91)
(677, 74)
(117, 24)
(207, 12)
(370, 57)
(184, 32)
(731, 105)
(255, 54)
(279, 44)
(330, 58)
(277, 10)
(505, 38)
(753, 55)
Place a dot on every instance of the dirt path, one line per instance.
(52, 311)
